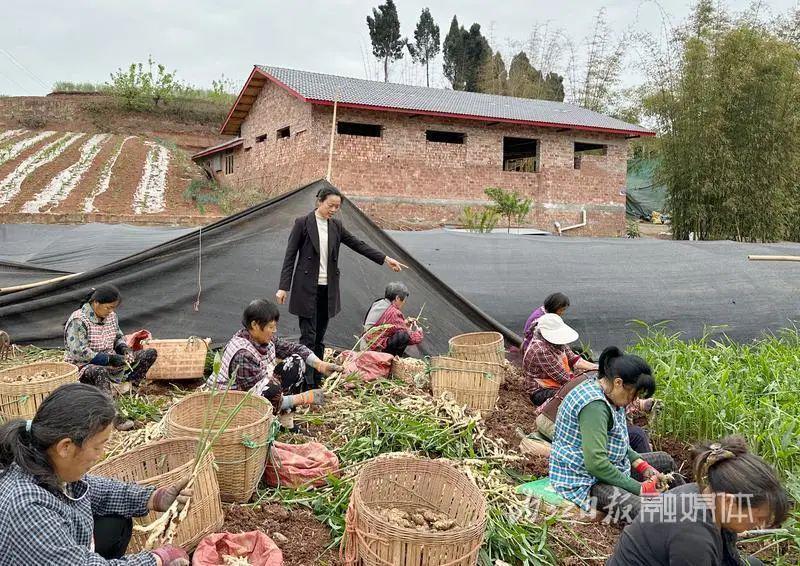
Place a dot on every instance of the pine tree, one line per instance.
(426, 42)
(453, 53)
(476, 52)
(493, 76)
(384, 31)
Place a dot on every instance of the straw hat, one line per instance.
(553, 329)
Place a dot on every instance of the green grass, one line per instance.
(712, 389)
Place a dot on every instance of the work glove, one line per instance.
(649, 488)
(172, 556)
(116, 360)
(163, 497)
(645, 470)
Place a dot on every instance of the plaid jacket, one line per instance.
(568, 474)
(239, 360)
(86, 336)
(543, 364)
(393, 316)
(39, 528)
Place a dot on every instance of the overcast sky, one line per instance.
(83, 41)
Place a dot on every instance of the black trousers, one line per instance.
(397, 344)
(312, 334)
(112, 535)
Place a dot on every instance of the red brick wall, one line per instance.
(402, 172)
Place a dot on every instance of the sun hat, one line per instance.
(553, 329)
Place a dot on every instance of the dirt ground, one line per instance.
(573, 542)
(308, 539)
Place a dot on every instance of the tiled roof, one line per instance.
(320, 88)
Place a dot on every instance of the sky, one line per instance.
(42, 42)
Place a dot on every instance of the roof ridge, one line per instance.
(430, 88)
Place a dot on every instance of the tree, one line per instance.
(453, 52)
(525, 81)
(509, 205)
(493, 76)
(384, 32)
(135, 85)
(731, 125)
(597, 87)
(522, 77)
(554, 87)
(476, 52)
(426, 42)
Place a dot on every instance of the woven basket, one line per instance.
(241, 450)
(474, 384)
(406, 369)
(478, 347)
(182, 358)
(164, 463)
(410, 483)
(21, 400)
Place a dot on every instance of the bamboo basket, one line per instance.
(406, 369)
(410, 483)
(478, 347)
(21, 400)
(474, 384)
(241, 450)
(164, 463)
(181, 358)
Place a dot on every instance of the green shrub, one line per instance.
(480, 220)
(509, 205)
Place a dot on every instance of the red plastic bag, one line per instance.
(257, 547)
(369, 365)
(134, 341)
(293, 465)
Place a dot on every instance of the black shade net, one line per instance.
(229, 263)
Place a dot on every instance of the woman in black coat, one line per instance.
(314, 280)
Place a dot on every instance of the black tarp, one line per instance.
(696, 285)
(79, 247)
(613, 281)
(241, 258)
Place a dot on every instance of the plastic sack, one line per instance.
(293, 465)
(134, 341)
(258, 548)
(370, 366)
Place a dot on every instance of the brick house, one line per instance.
(424, 153)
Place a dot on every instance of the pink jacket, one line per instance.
(393, 316)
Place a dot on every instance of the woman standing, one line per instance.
(53, 513)
(311, 270)
(95, 343)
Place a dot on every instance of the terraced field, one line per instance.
(52, 172)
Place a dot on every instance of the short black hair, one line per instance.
(328, 191)
(260, 311)
(634, 372)
(556, 301)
